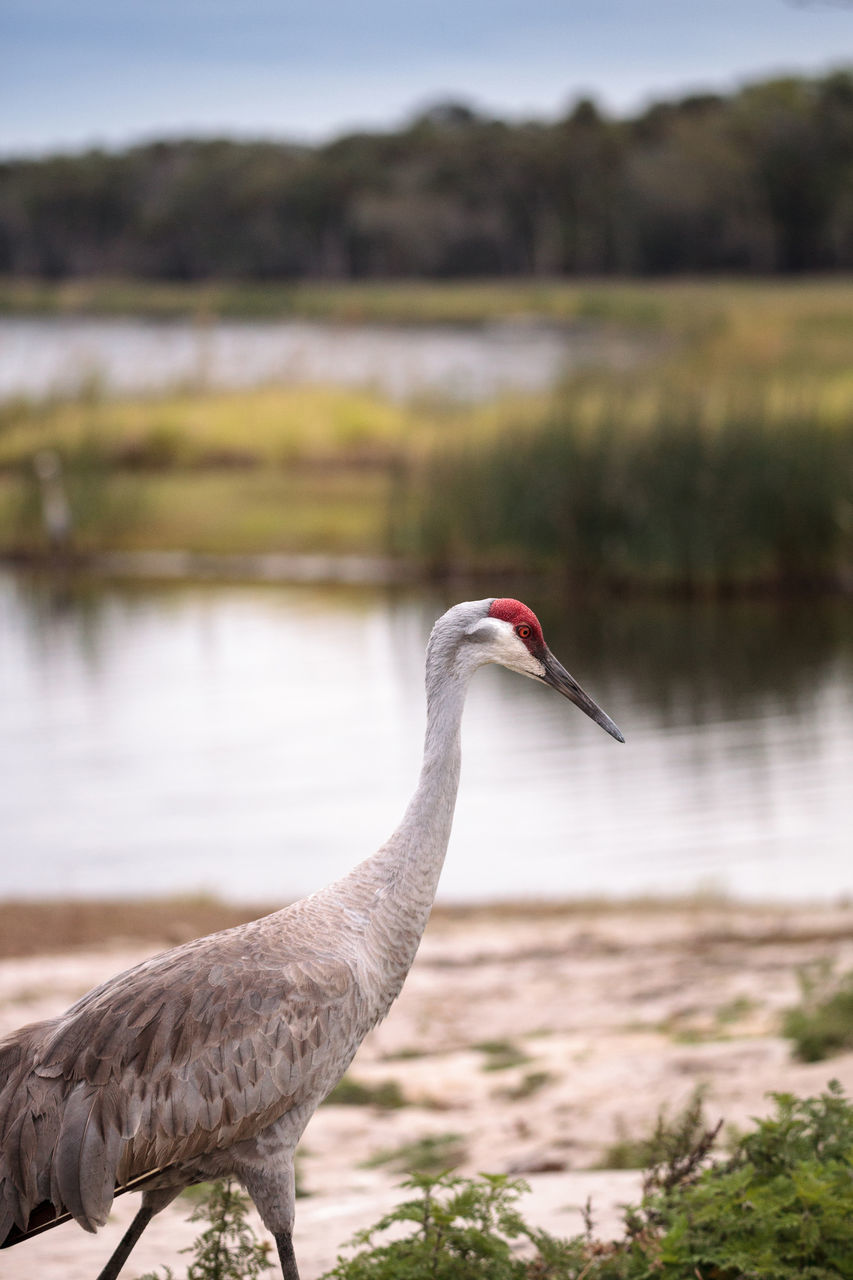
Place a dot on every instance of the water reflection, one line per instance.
(257, 741)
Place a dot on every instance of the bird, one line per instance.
(208, 1060)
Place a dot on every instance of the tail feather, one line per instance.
(83, 1178)
(27, 1127)
(7, 1212)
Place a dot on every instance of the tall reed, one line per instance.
(647, 483)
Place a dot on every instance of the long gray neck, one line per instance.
(419, 844)
(395, 889)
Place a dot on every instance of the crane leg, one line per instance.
(128, 1240)
(284, 1240)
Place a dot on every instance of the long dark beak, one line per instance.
(558, 678)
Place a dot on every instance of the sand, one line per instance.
(616, 1012)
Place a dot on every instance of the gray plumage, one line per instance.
(209, 1060)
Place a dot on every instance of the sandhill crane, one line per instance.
(209, 1060)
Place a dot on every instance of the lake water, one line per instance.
(43, 356)
(257, 741)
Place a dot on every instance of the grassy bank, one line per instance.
(268, 470)
(390, 302)
(725, 460)
(670, 305)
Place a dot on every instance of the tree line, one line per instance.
(756, 181)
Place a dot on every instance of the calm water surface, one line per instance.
(43, 356)
(256, 742)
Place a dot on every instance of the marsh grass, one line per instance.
(651, 482)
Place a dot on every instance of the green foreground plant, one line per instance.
(228, 1248)
(461, 1227)
(779, 1208)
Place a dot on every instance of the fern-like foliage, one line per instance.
(780, 1207)
(228, 1248)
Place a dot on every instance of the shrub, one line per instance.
(460, 1227)
(672, 1144)
(780, 1208)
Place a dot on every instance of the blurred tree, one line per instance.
(761, 180)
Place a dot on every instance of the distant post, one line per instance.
(55, 507)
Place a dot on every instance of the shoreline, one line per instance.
(40, 926)
(285, 568)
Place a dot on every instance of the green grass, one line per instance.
(265, 427)
(500, 1055)
(387, 1095)
(809, 310)
(430, 1155)
(821, 1025)
(338, 512)
(529, 1084)
(412, 302)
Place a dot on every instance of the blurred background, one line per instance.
(315, 319)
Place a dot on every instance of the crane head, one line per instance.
(511, 636)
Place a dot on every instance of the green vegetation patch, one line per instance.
(501, 1054)
(822, 1024)
(646, 481)
(199, 429)
(251, 512)
(348, 1092)
(431, 1155)
(529, 1084)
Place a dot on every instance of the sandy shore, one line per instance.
(614, 1013)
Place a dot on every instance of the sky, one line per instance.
(76, 73)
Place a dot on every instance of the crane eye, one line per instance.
(523, 632)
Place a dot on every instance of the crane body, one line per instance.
(208, 1060)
